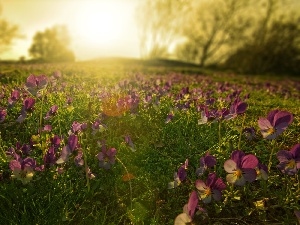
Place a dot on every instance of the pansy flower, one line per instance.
(52, 111)
(15, 95)
(28, 106)
(241, 168)
(130, 143)
(179, 176)
(206, 161)
(237, 107)
(49, 157)
(68, 149)
(289, 161)
(106, 157)
(188, 210)
(275, 123)
(23, 170)
(261, 172)
(35, 83)
(212, 188)
(249, 132)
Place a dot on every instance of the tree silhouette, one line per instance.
(52, 45)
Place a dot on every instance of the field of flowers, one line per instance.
(88, 143)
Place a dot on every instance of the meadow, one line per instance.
(130, 143)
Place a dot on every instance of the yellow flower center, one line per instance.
(207, 191)
(238, 173)
(291, 164)
(271, 130)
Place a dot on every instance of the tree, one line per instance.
(159, 22)
(8, 32)
(52, 45)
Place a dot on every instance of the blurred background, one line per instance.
(247, 36)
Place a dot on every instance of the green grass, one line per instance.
(69, 198)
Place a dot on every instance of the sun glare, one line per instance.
(99, 24)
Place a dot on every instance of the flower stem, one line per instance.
(241, 132)
(86, 168)
(271, 155)
(220, 139)
(130, 187)
(41, 113)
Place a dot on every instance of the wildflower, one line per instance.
(188, 210)
(237, 107)
(28, 106)
(47, 128)
(261, 172)
(15, 95)
(52, 111)
(68, 149)
(3, 114)
(205, 162)
(35, 83)
(169, 117)
(106, 157)
(98, 126)
(211, 188)
(241, 168)
(23, 170)
(78, 159)
(249, 132)
(130, 143)
(289, 161)
(50, 158)
(275, 123)
(179, 176)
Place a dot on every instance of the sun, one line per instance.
(99, 24)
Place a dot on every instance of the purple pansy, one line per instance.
(179, 176)
(36, 83)
(15, 95)
(52, 111)
(249, 132)
(23, 170)
(289, 161)
(241, 168)
(130, 143)
(50, 158)
(261, 172)
(275, 123)
(106, 157)
(68, 149)
(206, 161)
(28, 106)
(237, 107)
(213, 187)
(78, 159)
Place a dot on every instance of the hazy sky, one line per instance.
(97, 27)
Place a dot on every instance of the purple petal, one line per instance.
(217, 195)
(14, 164)
(210, 160)
(249, 161)
(211, 179)
(237, 156)
(192, 204)
(296, 151)
(284, 156)
(264, 124)
(241, 181)
(283, 117)
(219, 185)
(230, 166)
(271, 115)
(181, 173)
(241, 107)
(72, 142)
(249, 174)
(65, 152)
